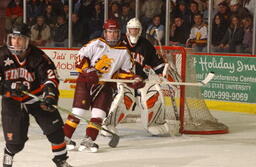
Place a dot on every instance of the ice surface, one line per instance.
(138, 149)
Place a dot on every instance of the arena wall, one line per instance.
(233, 88)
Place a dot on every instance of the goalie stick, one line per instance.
(115, 138)
(207, 79)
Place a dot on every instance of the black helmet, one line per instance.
(21, 32)
(21, 29)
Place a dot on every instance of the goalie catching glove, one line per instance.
(50, 97)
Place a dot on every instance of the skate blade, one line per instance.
(70, 147)
(91, 150)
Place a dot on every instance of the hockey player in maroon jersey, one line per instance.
(152, 114)
(104, 58)
(24, 67)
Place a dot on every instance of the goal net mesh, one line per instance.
(194, 114)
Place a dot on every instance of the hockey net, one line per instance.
(194, 115)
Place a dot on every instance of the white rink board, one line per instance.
(138, 149)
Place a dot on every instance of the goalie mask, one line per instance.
(133, 30)
(18, 40)
(112, 32)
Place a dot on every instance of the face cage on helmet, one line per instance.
(17, 51)
(133, 39)
(112, 42)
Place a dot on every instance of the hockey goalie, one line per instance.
(155, 103)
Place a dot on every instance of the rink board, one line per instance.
(65, 59)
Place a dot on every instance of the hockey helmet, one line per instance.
(112, 26)
(18, 40)
(133, 23)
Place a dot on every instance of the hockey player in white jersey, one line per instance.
(102, 58)
(157, 103)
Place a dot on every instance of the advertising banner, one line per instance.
(235, 77)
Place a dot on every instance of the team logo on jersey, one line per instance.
(103, 64)
(18, 73)
(137, 57)
(8, 62)
(9, 136)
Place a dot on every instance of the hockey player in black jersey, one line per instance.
(142, 51)
(152, 112)
(24, 67)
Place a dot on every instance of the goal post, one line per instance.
(194, 115)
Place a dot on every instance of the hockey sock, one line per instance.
(59, 151)
(58, 145)
(70, 126)
(91, 130)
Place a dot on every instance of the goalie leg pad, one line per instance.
(120, 107)
(170, 128)
(152, 112)
(159, 110)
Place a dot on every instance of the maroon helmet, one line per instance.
(112, 32)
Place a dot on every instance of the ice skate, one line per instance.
(61, 163)
(7, 161)
(88, 144)
(159, 130)
(71, 145)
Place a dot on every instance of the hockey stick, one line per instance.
(115, 138)
(207, 79)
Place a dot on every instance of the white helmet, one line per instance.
(133, 23)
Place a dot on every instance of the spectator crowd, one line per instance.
(232, 24)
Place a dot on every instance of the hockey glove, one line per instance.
(138, 83)
(50, 97)
(89, 75)
(16, 89)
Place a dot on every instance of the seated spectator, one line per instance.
(50, 17)
(193, 10)
(237, 9)
(248, 34)
(95, 23)
(149, 9)
(179, 32)
(40, 33)
(232, 40)
(85, 9)
(79, 30)
(14, 14)
(198, 35)
(34, 8)
(65, 11)
(126, 15)
(181, 11)
(56, 4)
(114, 12)
(60, 37)
(224, 11)
(151, 34)
(219, 28)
